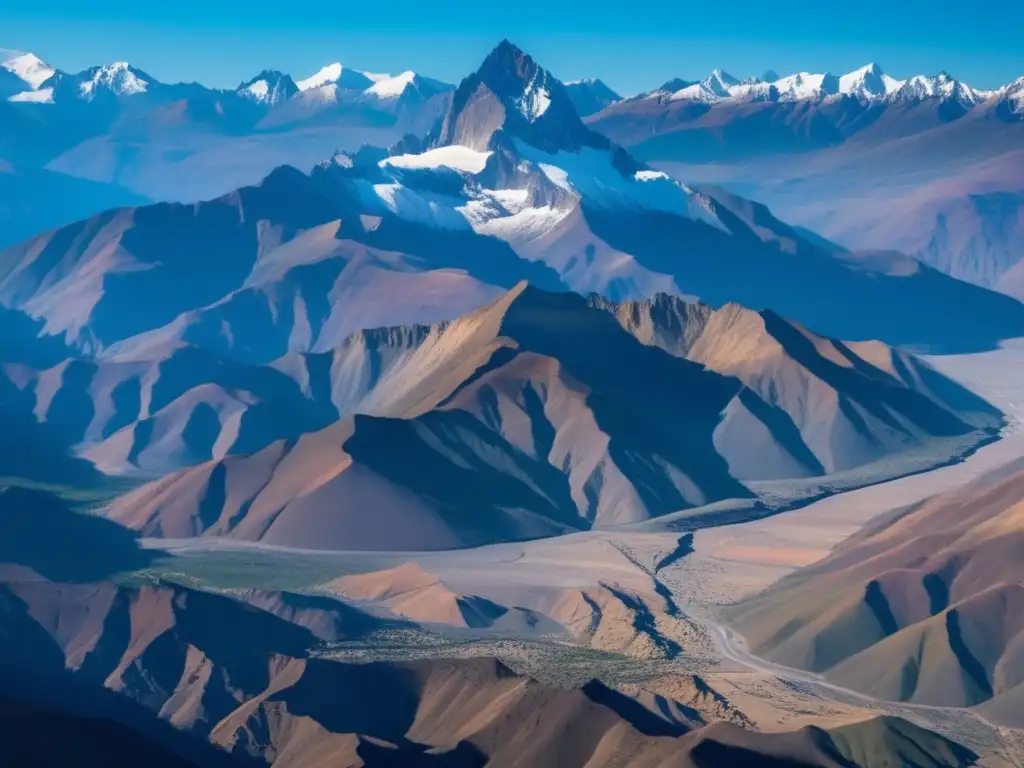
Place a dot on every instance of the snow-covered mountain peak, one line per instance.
(336, 74)
(328, 74)
(387, 88)
(28, 67)
(392, 87)
(716, 86)
(940, 86)
(268, 87)
(721, 78)
(510, 92)
(119, 78)
(806, 85)
(1011, 97)
(868, 82)
(514, 76)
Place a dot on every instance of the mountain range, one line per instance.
(502, 425)
(510, 171)
(118, 126)
(927, 166)
(494, 324)
(836, 154)
(337, 319)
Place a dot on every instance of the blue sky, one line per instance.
(632, 46)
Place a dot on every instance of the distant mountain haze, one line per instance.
(117, 125)
(928, 165)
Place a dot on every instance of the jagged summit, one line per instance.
(119, 78)
(338, 75)
(720, 78)
(268, 87)
(717, 85)
(26, 67)
(868, 82)
(942, 86)
(511, 93)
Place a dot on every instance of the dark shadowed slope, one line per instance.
(42, 532)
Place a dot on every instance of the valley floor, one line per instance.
(648, 600)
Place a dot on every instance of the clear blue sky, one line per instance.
(633, 46)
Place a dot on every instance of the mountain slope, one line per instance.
(923, 606)
(511, 423)
(85, 278)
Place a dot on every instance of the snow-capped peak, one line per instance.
(120, 78)
(720, 86)
(721, 80)
(336, 74)
(941, 86)
(391, 87)
(329, 74)
(806, 85)
(716, 86)
(868, 82)
(512, 94)
(268, 87)
(1013, 96)
(28, 67)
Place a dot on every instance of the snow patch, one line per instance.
(802, 85)
(329, 74)
(29, 68)
(259, 90)
(430, 208)
(536, 98)
(391, 87)
(456, 157)
(42, 96)
(591, 175)
(527, 224)
(650, 175)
